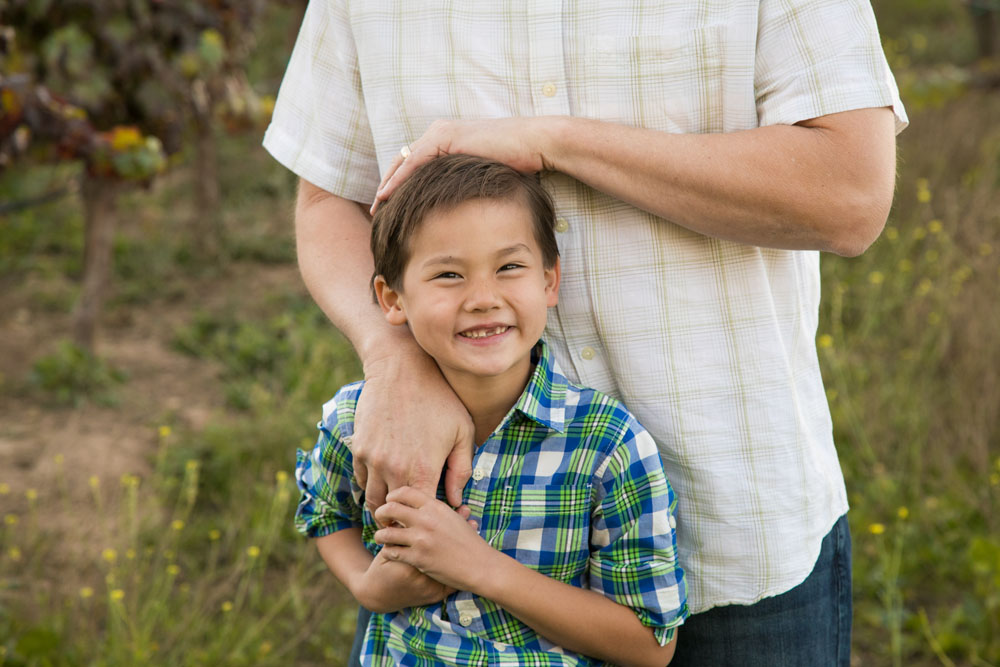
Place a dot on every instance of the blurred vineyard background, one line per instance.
(160, 360)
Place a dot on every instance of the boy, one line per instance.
(564, 552)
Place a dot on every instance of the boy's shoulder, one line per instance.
(338, 412)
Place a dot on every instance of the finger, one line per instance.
(474, 524)
(396, 513)
(375, 491)
(419, 155)
(410, 496)
(393, 166)
(393, 535)
(464, 511)
(458, 470)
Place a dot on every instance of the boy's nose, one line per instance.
(482, 295)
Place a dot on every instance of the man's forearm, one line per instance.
(332, 239)
(824, 184)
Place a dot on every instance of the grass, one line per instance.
(193, 560)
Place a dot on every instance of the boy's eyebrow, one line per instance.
(451, 259)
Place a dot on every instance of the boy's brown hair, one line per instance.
(445, 183)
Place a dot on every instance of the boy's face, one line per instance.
(475, 291)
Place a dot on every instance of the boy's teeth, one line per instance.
(483, 333)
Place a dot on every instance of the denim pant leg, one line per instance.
(359, 637)
(807, 626)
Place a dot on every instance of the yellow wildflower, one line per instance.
(253, 551)
(59, 459)
(117, 594)
(125, 137)
(191, 465)
(94, 481)
(924, 286)
(265, 648)
(227, 607)
(86, 592)
(876, 277)
(891, 233)
(903, 512)
(281, 476)
(825, 341)
(876, 528)
(4, 488)
(934, 227)
(173, 570)
(177, 524)
(110, 555)
(919, 233)
(14, 553)
(995, 478)
(31, 495)
(905, 265)
(130, 554)
(985, 249)
(11, 519)
(165, 431)
(214, 534)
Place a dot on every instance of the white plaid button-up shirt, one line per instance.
(709, 343)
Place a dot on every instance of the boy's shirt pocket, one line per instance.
(547, 528)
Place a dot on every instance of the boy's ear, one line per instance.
(552, 277)
(390, 300)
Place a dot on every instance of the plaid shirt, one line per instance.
(710, 343)
(568, 484)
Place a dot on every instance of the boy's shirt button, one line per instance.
(465, 620)
(478, 474)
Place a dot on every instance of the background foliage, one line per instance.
(189, 558)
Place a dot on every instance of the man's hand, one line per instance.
(512, 141)
(408, 422)
(427, 534)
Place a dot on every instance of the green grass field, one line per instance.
(146, 496)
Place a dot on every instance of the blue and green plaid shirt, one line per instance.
(568, 484)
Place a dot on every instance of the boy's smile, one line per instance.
(475, 294)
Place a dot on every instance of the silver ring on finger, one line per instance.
(405, 151)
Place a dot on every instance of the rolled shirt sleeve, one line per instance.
(324, 475)
(634, 546)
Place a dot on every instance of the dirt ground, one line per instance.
(44, 447)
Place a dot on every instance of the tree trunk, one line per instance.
(206, 227)
(99, 207)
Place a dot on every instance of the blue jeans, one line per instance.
(809, 626)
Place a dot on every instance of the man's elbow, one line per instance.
(859, 221)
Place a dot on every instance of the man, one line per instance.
(693, 151)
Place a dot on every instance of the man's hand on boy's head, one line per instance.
(516, 142)
(408, 423)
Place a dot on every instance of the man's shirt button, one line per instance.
(549, 90)
(587, 353)
(561, 225)
(478, 474)
(465, 620)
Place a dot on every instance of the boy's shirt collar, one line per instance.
(544, 397)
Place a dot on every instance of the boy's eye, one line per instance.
(511, 266)
(447, 275)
